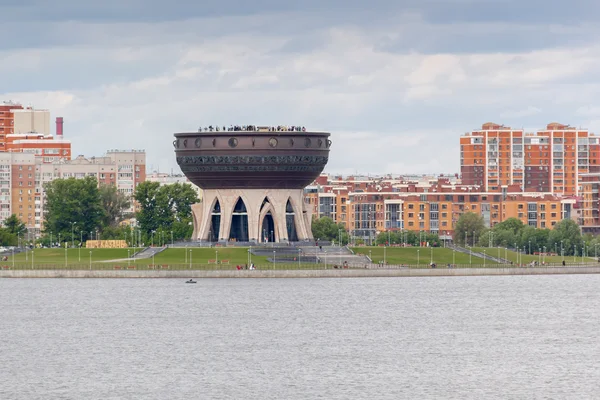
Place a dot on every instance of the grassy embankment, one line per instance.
(417, 255)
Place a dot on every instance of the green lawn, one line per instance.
(235, 255)
(417, 255)
(526, 258)
(179, 258)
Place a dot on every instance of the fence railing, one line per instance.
(268, 266)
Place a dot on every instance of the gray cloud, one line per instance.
(396, 84)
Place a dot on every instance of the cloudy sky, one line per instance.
(395, 81)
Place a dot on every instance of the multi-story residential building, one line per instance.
(17, 188)
(123, 168)
(394, 205)
(497, 158)
(7, 120)
(30, 120)
(45, 147)
(589, 218)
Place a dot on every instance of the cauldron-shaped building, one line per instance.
(253, 182)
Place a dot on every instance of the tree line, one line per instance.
(77, 210)
(470, 230)
(325, 228)
(564, 238)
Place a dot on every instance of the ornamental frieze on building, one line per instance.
(271, 161)
(252, 168)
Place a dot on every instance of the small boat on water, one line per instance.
(190, 281)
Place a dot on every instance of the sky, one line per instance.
(396, 82)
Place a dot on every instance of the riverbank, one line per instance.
(324, 273)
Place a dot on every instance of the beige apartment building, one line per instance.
(123, 168)
(17, 187)
(30, 120)
(169, 179)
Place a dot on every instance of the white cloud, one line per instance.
(524, 112)
(391, 109)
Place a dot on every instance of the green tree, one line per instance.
(505, 238)
(533, 240)
(469, 226)
(512, 224)
(7, 238)
(73, 203)
(566, 236)
(149, 216)
(325, 228)
(165, 209)
(15, 225)
(114, 204)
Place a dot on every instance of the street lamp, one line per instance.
(90, 260)
(453, 257)
(273, 259)
(190, 258)
(216, 256)
(128, 258)
(72, 234)
(544, 255)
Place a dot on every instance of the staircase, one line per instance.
(148, 252)
(335, 255)
(330, 255)
(480, 255)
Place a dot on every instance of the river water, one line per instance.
(504, 337)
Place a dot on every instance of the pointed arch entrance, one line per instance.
(215, 223)
(290, 222)
(239, 222)
(267, 232)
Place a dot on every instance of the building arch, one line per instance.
(291, 216)
(267, 223)
(215, 221)
(239, 231)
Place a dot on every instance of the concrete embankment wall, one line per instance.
(335, 273)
